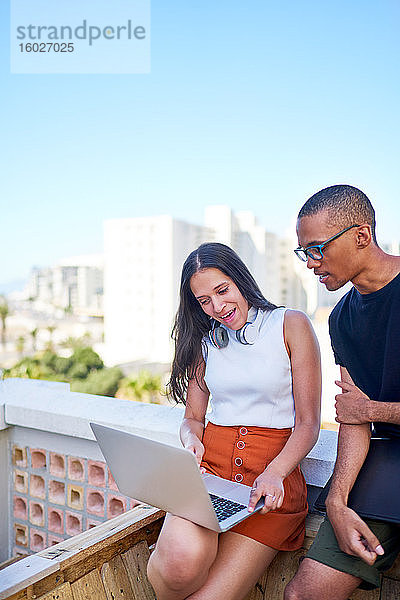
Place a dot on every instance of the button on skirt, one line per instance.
(241, 454)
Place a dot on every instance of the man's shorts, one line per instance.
(325, 550)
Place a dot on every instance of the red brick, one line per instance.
(133, 503)
(76, 468)
(18, 552)
(36, 513)
(75, 496)
(96, 473)
(90, 522)
(55, 520)
(21, 535)
(52, 540)
(95, 502)
(116, 505)
(56, 491)
(38, 458)
(20, 481)
(111, 482)
(19, 457)
(73, 523)
(57, 464)
(20, 508)
(38, 540)
(37, 486)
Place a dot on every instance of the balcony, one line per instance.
(70, 532)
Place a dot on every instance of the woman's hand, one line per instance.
(193, 444)
(269, 485)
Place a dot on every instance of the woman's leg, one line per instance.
(239, 564)
(182, 558)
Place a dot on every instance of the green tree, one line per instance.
(48, 358)
(62, 364)
(103, 382)
(88, 357)
(4, 313)
(84, 370)
(144, 387)
(29, 367)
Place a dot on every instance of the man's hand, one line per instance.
(353, 534)
(352, 405)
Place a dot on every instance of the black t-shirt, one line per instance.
(365, 336)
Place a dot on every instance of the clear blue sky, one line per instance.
(256, 105)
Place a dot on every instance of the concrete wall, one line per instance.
(54, 481)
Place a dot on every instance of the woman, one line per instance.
(261, 365)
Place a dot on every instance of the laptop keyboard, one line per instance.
(225, 508)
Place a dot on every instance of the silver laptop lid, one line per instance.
(158, 474)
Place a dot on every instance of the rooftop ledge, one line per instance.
(51, 407)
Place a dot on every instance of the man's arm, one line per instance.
(353, 535)
(354, 407)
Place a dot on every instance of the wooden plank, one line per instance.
(62, 592)
(104, 552)
(366, 595)
(390, 589)
(394, 571)
(134, 519)
(39, 588)
(135, 560)
(12, 560)
(89, 587)
(24, 573)
(257, 593)
(99, 537)
(98, 544)
(116, 580)
(313, 523)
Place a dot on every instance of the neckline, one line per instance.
(377, 293)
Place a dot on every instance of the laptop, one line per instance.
(169, 478)
(375, 494)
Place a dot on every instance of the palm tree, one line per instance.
(51, 329)
(20, 344)
(4, 313)
(33, 334)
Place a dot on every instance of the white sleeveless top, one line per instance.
(251, 384)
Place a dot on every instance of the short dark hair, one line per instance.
(191, 323)
(346, 205)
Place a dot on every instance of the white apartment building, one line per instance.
(143, 262)
(75, 283)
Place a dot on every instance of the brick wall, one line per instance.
(55, 496)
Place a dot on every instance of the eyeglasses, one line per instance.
(315, 252)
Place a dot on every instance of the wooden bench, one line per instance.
(109, 562)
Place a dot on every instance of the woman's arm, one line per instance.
(302, 346)
(192, 427)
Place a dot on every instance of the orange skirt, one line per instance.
(241, 454)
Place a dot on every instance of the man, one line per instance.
(336, 234)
